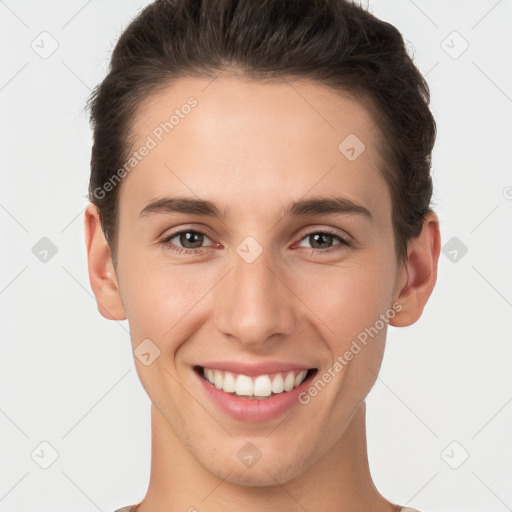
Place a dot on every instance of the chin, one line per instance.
(264, 473)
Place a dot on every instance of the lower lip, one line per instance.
(254, 410)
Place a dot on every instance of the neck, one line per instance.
(339, 480)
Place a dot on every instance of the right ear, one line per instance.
(102, 276)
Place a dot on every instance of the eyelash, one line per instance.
(166, 242)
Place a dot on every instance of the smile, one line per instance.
(254, 387)
(254, 392)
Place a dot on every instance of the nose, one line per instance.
(254, 303)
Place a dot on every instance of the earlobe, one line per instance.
(421, 270)
(102, 276)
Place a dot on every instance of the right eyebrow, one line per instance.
(184, 205)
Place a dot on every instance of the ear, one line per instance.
(420, 273)
(101, 269)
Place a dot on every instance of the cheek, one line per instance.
(347, 297)
(161, 298)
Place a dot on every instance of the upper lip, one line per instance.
(254, 369)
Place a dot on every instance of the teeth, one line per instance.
(261, 386)
(289, 381)
(243, 386)
(278, 384)
(229, 383)
(217, 379)
(299, 378)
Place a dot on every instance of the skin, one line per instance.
(253, 147)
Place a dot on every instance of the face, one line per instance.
(267, 272)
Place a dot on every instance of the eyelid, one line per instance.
(170, 232)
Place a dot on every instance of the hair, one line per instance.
(335, 43)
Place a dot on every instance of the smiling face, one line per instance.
(284, 253)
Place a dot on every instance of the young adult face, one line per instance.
(260, 286)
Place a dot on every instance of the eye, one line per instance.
(322, 241)
(190, 241)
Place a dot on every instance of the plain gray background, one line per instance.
(440, 414)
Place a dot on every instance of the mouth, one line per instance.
(256, 387)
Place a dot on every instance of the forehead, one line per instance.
(230, 138)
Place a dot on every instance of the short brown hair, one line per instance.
(333, 42)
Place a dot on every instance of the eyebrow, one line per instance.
(184, 205)
(301, 208)
(326, 206)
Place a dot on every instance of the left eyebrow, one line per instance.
(326, 206)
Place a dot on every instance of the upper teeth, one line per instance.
(262, 385)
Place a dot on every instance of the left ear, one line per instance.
(421, 271)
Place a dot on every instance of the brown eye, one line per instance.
(191, 239)
(322, 241)
(187, 239)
